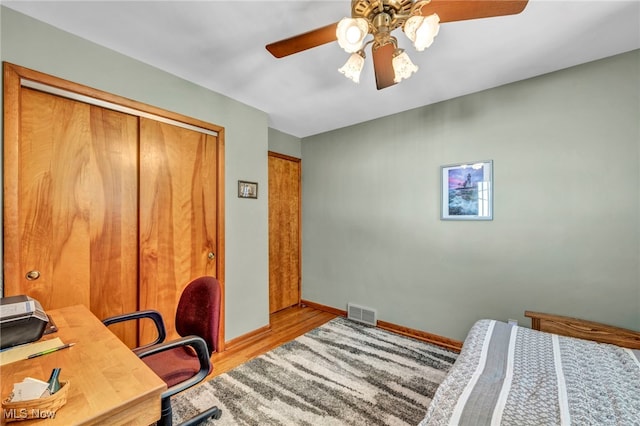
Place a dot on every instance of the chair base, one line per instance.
(166, 416)
(212, 413)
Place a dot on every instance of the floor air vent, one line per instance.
(361, 314)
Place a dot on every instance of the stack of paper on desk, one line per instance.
(18, 353)
(28, 389)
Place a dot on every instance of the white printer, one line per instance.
(22, 320)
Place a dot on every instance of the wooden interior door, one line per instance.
(76, 205)
(178, 181)
(284, 231)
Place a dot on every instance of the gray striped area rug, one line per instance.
(341, 373)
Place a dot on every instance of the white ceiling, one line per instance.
(220, 45)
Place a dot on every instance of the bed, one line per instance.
(562, 371)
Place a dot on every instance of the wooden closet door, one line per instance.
(76, 206)
(284, 231)
(177, 215)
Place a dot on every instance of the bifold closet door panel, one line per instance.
(77, 207)
(177, 215)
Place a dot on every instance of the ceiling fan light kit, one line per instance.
(351, 33)
(422, 30)
(379, 18)
(403, 68)
(419, 19)
(354, 66)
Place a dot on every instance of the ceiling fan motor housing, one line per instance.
(384, 16)
(396, 11)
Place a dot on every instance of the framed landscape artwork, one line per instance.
(467, 191)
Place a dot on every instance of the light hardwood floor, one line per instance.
(286, 325)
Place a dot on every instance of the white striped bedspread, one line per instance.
(510, 375)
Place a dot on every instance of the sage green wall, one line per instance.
(284, 143)
(33, 44)
(565, 235)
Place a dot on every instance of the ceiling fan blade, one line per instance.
(461, 10)
(304, 41)
(383, 66)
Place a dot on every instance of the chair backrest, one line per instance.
(198, 311)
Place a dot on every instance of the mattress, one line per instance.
(511, 375)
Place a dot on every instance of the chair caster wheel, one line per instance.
(217, 415)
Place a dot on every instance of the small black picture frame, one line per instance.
(247, 189)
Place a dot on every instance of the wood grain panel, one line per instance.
(54, 229)
(178, 181)
(114, 218)
(11, 105)
(77, 210)
(284, 232)
(583, 329)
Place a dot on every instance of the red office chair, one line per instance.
(184, 362)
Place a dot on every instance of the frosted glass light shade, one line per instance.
(353, 67)
(351, 33)
(402, 66)
(422, 30)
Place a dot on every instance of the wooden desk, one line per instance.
(109, 383)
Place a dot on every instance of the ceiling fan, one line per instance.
(419, 20)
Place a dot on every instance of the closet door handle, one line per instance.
(211, 255)
(32, 275)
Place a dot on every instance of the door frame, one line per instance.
(15, 77)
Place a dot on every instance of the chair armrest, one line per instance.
(199, 345)
(151, 314)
